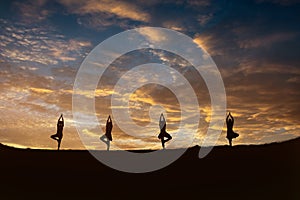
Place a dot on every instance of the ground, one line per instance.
(269, 171)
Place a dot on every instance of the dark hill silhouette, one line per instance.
(292, 142)
(270, 171)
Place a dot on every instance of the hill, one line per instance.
(270, 171)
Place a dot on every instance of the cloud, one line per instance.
(41, 90)
(259, 67)
(266, 40)
(29, 68)
(200, 3)
(281, 2)
(295, 79)
(39, 45)
(153, 35)
(255, 49)
(204, 19)
(30, 106)
(259, 107)
(92, 94)
(32, 11)
(120, 9)
(209, 43)
(174, 25)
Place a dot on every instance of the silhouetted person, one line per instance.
(59, 133)
(163, 133)
(230, 133)
(107, 137)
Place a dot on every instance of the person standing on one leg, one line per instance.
(230, 133)
(163, 133)
(107, 137)
(59, 133)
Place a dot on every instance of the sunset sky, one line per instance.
(255, 45)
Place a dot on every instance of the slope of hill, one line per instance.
(269, 171)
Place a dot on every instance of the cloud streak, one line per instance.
(121, 9)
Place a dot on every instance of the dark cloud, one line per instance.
(281, 2)
(32, 11)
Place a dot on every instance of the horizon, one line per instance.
(7, 145)
(255, 45)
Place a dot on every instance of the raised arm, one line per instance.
(108, 119)
(109, 124)
(61, 118)
(162, 121)
(227, 117)
(162, 118)
(231, 117)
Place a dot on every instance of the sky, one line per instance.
(255, 45)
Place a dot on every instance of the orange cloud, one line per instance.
(41, 90)
(206, 42)
(119, 8)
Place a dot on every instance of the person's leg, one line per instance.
(236, 135)
(230, 142)
(104, 139)
(108, 145)
(163, 142)
(169, 137)
(58, 144)
(54, 137)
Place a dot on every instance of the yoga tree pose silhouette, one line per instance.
(230, 133)
(59, 133)
(163, 133)
(107, 137)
